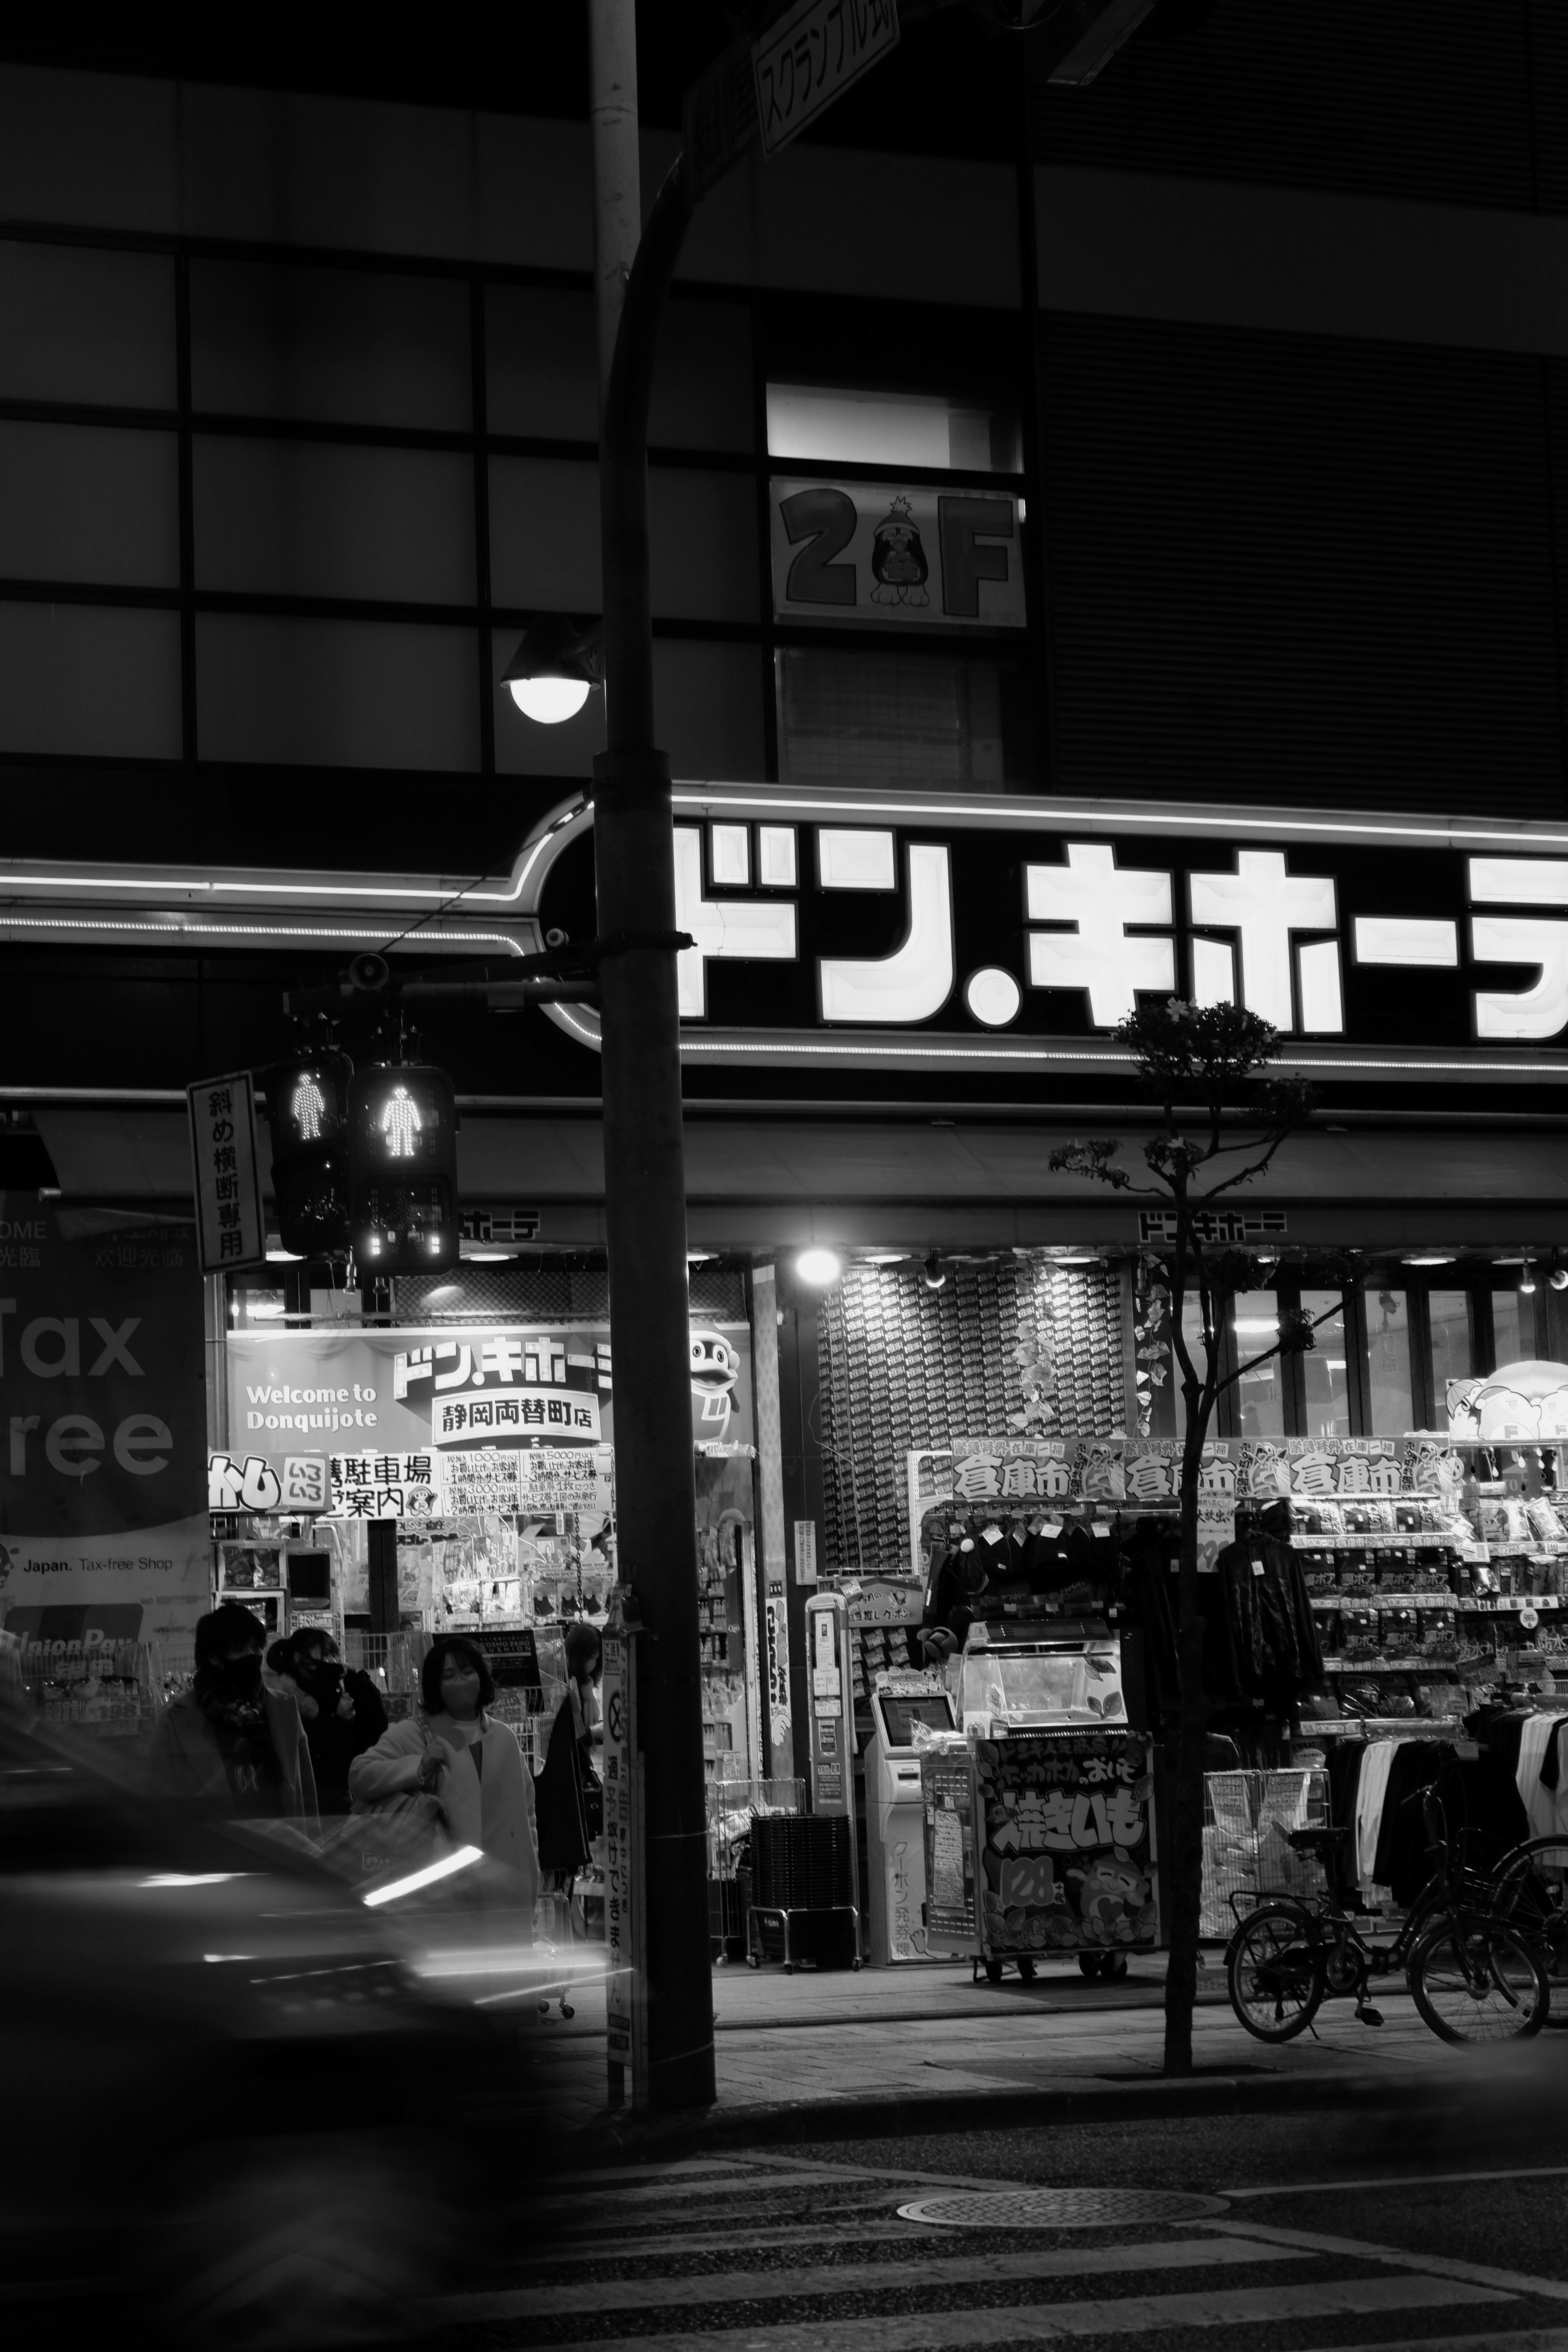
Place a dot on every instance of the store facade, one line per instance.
(984, 728)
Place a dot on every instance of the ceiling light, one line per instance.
(265, 1310)
(819, 1268)
(284, 1257)
(935, 1272)
(1527, 1280)
(883, 1257)
(486, 1257)
(555, 668)
(1429, 1257)
(1558, 1278)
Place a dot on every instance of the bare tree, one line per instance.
(1202, 1065)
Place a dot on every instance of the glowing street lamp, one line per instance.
(556, 666)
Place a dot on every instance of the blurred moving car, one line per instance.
(225, 2087)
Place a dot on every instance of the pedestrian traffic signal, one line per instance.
(307, 1111)
(403, 1169)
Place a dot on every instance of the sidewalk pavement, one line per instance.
(838, 2053)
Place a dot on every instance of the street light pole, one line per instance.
(645, 1209)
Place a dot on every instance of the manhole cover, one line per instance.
(1058, 2208)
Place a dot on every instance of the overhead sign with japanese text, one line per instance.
(898, 554)
(519, 1418)
(229, 1225)
(810, 55)
(1016, 933)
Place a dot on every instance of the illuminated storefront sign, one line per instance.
(904, 929)
(889, 930)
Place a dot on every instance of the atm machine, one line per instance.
(895, 1832)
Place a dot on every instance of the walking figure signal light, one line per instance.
(402, 1161)
(307, 1112)
(400, 1123)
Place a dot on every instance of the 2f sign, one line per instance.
(811, 56)
(897, 554)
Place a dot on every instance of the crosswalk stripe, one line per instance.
(649, 2192)
(683, 2168)
(921, 2331)
(852, 2278)
(604, 2248)
(1318, 2241)
(1513, 2339)
(1401, 2180)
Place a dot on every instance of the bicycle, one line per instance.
(1530, 1888)
(1472, 1973)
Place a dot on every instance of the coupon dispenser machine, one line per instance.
(895, 1829)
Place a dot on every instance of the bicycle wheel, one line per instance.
(1275, 1973)
(1531, 1891)
(1477, 1981)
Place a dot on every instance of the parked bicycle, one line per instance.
(1474, 1966)
(1530, 1889)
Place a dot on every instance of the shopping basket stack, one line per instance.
(802, 1907)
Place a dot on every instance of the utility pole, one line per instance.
(645, 1167)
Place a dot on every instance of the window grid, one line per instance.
(1435, 1336)
(480, 445)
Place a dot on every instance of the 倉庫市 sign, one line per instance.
(1015, 933)
(811, 55)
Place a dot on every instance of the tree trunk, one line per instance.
(1185, 1871)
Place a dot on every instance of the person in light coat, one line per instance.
(472, 1766)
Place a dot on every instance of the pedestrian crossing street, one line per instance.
(763, 2252)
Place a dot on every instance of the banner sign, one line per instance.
(384, 1394)
(625, 1977)
(103, 1524)
(1003, 935)
(1067, 1864)
(896, 553)
(298, 1485)
(947, 1792)
(537, 1480)
(230, 1229)
(1022, 1476)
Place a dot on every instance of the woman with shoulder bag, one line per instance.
(471, 1765)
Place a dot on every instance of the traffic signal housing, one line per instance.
(403, 1169)
(307, 1111)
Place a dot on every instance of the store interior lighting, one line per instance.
(1431, 1258)
(819, 1268)
(1558, 1278)
(1527, 1280)
(556, 666)
(284, 1257)
(935, 1272)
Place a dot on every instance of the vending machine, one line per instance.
(895, 1833)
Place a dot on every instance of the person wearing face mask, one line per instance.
(471, 1765)
(341, 1709)
(229, 1737)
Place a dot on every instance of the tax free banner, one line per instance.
(104, 1527)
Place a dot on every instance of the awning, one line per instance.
(762, 1182)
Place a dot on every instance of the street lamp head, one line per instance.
(555, 668)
